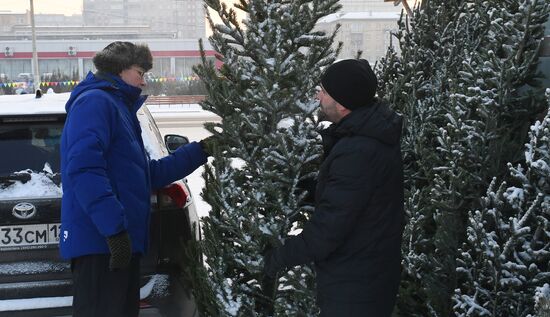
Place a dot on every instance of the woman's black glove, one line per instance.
(208, 145)
(120, 247)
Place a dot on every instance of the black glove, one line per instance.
(121, 250)
(208, 145)
(272, 264)
(308, 185)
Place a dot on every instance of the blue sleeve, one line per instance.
(177, 165)
(89, 126)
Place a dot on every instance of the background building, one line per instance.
(66, 44)
(79, 32)
(181, 18)
(72, 59)
(10, 19)
(366, 25)
(100, 19)
(58, 19)
(369, 5)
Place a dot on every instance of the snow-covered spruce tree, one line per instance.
(412, 84)
(542, 301)
(466, 69)
(489, 111)
(267, 148)
(504, 263)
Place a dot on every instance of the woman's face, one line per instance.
(133, 76)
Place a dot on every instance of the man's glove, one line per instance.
(272, 264)
(308, 185)
(121, 250)
(208, 145)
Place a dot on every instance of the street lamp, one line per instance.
(35, 71)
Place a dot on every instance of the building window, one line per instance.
(88, 66)
(389, 39)
(356, 41)
(61, 69)
(184, 65)
(161, 67)
(353, 44)
(13, 67)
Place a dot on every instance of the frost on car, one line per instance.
(34, 280)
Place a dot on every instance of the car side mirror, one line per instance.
(174, 141)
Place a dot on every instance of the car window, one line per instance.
(152, 139)
(33, 146)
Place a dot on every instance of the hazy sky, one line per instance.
(67, 7)
(43, 6)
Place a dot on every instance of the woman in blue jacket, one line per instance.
(107, 182)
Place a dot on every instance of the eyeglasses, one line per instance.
(140, 72)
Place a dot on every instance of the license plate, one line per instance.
(29, 236)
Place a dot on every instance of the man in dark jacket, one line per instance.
(107, 180)
(354, 235)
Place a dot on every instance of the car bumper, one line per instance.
(154, 287)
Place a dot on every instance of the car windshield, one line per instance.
(30, 146)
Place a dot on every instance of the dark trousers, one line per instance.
(100, 292)
(344, 309)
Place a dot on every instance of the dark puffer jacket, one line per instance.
(354, 235)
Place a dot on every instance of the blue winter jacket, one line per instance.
(106, 173)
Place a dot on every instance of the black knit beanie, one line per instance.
(351, 82)
(118, 56)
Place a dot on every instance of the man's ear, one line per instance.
(343, 111)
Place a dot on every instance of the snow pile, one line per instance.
(32, 267)
(156, 287)
(41, 184)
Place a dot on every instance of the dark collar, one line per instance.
(130, 93)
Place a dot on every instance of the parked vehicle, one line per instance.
(34, 280)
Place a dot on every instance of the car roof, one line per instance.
(28, 104)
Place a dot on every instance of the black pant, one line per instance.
(359, 309)
(99, 292)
